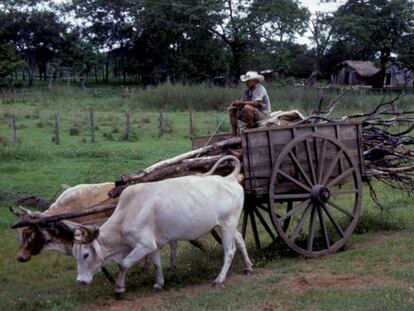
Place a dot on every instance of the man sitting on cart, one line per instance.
(254, 104)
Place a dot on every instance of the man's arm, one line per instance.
(254, 103)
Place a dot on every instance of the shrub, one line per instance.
(74, 131)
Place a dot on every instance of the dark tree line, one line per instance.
(149, 42)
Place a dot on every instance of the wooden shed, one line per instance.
(398, 75)
(353, 72)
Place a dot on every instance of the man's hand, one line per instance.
(237, 104)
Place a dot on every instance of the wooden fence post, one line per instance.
(13, 124)
(57, 125)
(128, 125)
(191, 126)
(92, 125)
(161, 124)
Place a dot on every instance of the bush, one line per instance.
(74, 131)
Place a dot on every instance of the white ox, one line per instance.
(150, 215)
(35, 239)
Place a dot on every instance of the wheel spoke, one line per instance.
(321, 160)
(300, 224)
(310, 161)
(332, 219)
(294, 180)
(293, 196)
(339, 178)
(311, 231)
(263, 207)
(331, 167)
(341, 209)
(346, 191)
(300, 168)
(244, 224)
(265, 225)
(315, 150)
(294, 210)
(323, 227)
(254, 228)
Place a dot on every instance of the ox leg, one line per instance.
(156, 260)
(133, 257)
(137, 253)
(146, 263)
(243, 252)
(120, 281)
(229, 249)
(173, 255)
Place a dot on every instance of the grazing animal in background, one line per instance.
(150, 215)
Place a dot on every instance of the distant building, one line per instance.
(398, 75)
(353, 72)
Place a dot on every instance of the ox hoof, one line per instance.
(157, 287)
(248, 271)
(119, 291)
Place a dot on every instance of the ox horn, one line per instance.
(85, 234)
(18, 212)
(31, 217)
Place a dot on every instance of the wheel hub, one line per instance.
(320, 194)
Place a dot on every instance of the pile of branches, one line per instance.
(190, 163)
(388, 141)
(388, 144)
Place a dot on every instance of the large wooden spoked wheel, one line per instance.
(322, 180)
(254, 219)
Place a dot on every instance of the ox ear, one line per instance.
(85, 234)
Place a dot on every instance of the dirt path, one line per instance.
(293, 283)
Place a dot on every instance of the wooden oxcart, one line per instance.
(302, 184)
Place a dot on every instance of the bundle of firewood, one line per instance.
(189, 163)
(388, 144)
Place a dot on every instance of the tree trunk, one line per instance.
(107, 71)
(236, 51)
(96, 74)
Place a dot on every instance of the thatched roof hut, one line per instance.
(354, 72)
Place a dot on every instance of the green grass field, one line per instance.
(374, 272)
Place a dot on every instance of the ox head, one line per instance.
(87, 252)
(34, 237)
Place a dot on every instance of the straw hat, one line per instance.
(251, 75)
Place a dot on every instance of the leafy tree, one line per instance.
(321, 35)
(279, 19)
(371, 28)
(9, 61)
(109, 28)
(36, 35)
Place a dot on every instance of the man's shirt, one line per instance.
(258, 93)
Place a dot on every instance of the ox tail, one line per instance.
(233, 174)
